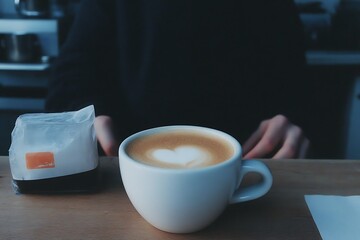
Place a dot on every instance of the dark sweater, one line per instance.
(222, 64)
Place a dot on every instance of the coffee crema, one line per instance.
(180, 149)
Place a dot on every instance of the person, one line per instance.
(231, 65)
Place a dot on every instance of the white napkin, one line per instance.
(337, 217)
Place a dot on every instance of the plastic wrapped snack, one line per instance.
(54, 152)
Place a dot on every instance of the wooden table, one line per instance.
(108, 214)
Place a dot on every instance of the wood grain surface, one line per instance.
(108, 213)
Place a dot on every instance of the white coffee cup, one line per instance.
(183, 200)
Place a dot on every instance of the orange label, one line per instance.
(38, 160)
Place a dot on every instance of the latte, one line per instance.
(180, 149)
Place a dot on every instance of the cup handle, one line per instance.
(256, 190)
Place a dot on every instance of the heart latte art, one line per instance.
(183, 155)
(180, 149)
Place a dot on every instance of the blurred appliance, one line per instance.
(32, 8)
(20, 47)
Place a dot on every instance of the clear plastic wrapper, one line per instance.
(53, 152)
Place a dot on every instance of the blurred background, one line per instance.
(32, 31)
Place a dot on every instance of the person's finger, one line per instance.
(255, 137)
(291, 147)
(304, 148)
(104, 129)
(271, 139)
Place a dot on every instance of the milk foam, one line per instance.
(189, 156)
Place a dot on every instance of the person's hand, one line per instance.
(104, 128)
(276, 138)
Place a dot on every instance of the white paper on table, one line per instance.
(337, 217)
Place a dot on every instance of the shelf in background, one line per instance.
(22, 104)
(333, 58)
(10, 25)
(24, 66)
